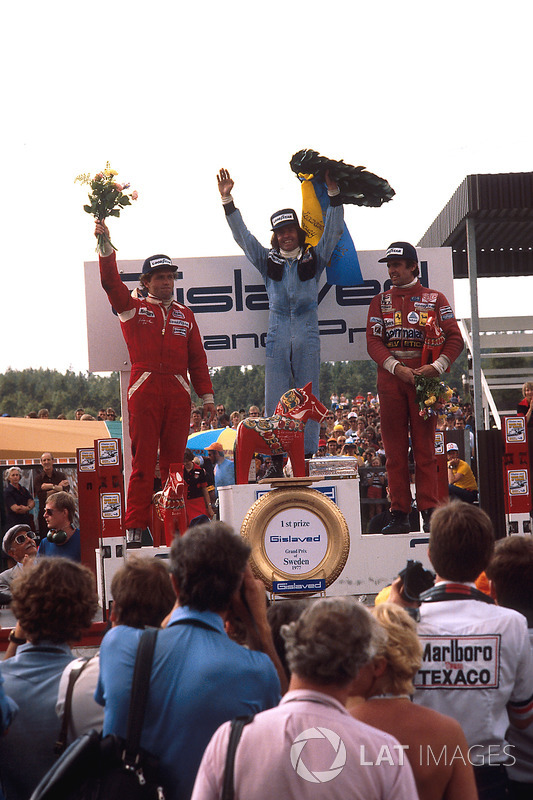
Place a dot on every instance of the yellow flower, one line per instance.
(430, 400)
(110, 172)
(449, 393)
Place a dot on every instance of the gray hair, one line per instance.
(332, 640)
(10, 470)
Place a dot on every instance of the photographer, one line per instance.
(477, 665)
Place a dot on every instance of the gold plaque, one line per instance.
(296, 533)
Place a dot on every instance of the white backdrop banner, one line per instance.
(229, 300)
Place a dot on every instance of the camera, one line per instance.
(416, 579)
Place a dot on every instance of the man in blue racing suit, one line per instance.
(291, 271)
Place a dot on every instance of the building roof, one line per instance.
(502, 209)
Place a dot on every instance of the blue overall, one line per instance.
(293, 342)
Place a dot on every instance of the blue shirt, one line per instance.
(8, 709)
(31, 679)
(224, 473)
(71, 549)
(200, 679)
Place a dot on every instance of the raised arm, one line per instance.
(225, 183)
(249, 605)
(252, 248)
(333, 225)
(118, 293)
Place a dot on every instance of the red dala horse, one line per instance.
(281, 433)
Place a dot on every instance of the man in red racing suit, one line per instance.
(396, 330)
(164, 344)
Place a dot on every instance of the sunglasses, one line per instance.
(23, 536)
(49, 511)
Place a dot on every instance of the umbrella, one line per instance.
(199, 442)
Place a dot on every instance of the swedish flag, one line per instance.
(343, 269)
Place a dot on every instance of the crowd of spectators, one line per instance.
(427, 698)
(380, 681)
(351, 428)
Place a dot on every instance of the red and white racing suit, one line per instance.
(396, 327)
(164, 343)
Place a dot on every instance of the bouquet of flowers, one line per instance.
(432, 394)
(107, 197)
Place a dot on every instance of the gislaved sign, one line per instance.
(313, 585)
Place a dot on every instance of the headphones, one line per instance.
(57, 537)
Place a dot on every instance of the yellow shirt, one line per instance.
(467, 479)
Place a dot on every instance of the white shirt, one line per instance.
(476, 659)
(86, 714)
(522, 742)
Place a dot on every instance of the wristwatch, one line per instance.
(15, 639)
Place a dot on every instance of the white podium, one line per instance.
(374, 560)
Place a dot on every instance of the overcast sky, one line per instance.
(421, 93)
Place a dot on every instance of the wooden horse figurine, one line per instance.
(281, 433)
(170, 504)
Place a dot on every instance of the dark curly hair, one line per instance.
(55, 600)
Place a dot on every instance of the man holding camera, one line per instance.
(477, 662)
(462, 484)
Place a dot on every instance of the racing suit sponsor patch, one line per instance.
(386, 302)
(397, 317)
(412, 317)
(459, 662)
(446, 312)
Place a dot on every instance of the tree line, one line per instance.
(239, 387)
(29, 390)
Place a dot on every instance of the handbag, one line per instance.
(110, 768)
